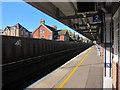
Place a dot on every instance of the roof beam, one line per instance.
(71, 3)
(88, 35)
(85, 29)
(89, 32)
(84, 25)
(76, 16)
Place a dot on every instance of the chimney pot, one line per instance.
(42, 21)
(55, 27)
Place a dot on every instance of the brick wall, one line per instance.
(24, 33)
(119, 79)
(46, 33)
(62, 37)
(35, 34)
(114, 73)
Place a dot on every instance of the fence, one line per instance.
(16, 48)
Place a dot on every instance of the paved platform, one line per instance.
(83, 71)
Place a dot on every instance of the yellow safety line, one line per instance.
(72, 72)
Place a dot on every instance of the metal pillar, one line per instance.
(107, 53)
(119, 52)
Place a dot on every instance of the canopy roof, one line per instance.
(77, 15)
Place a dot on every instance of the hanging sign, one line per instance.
(97, 18)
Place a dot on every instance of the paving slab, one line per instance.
(88, 75)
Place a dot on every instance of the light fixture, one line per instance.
(84, 15)
(90, 30)
(88, 24)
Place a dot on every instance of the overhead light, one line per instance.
(88, 25)
(84, 15)
(104, 9)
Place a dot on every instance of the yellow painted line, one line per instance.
(72, 72)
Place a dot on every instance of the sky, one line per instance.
(28, 16)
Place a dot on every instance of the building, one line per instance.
(85, 40)
(17, 30)
(63, 35)
(81, 39)
(1, 31)
(73, 37)
(77, 37)
(47, 32)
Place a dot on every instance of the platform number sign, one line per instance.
(108, 65)
(97, 18)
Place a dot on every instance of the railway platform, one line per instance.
(83, 71)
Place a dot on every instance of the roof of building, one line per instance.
(7, 27)
(17, 26)
(62, 32)
(51, 28)
(77, 36)
(70, 33)
(85, 39)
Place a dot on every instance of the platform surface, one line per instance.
(83, 71)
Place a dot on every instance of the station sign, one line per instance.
(97, 18)
(108, 65)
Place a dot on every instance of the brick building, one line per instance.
(17, 30)
(44, 31)
(51, 33)
(63, 35)
(74, 37)
(77, 37)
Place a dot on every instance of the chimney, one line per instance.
(55, 27)
(42, 21)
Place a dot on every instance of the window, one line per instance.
(27, 33)
(43, 31)
(49, 37)
(21, 28)
(6, 33)
(14, 32)
(43, 36)
(58, 37)
(14, 28)
(65, 37)
(40, 31)
(21, 32)
(31, 34)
